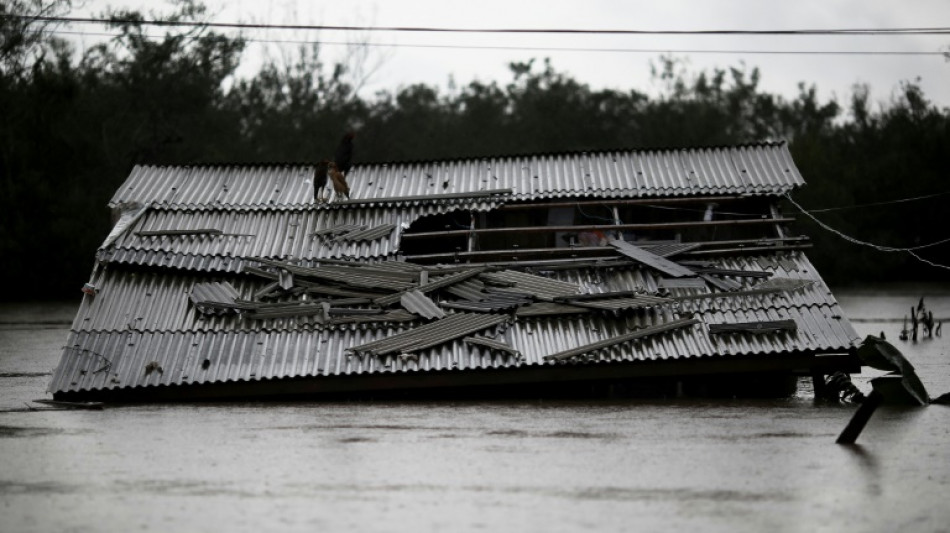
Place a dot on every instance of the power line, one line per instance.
(420, 29)
(909, 250)
(547, 48)
(886, 202)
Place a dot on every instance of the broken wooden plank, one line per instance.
(640, 333)
(650, 259)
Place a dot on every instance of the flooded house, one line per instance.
(641, 272)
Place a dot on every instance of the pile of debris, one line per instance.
(452, 302)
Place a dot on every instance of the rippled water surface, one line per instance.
(593, 465)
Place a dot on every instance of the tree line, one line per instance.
(73, 125)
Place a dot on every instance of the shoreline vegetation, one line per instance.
(75, 124)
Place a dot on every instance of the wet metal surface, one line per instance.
(581, 465)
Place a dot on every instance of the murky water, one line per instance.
(596, 465)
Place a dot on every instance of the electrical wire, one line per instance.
(546, 48)
(878, 247)
(886, 202)
(716, 211)
(594, 217)
(420, 29)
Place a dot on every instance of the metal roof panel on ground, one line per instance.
(765, 168)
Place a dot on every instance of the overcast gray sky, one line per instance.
(408, 62)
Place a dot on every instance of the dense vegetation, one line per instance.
(73, 125)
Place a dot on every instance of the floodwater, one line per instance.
(580, 465)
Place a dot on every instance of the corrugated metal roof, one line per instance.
(121, 357)
(287, 233)
(493, 344)
(160, 301)
(765, 168)
(282, 303)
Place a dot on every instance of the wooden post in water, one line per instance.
(860, 418)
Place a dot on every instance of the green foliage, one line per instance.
(73, 127)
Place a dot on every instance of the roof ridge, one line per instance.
(513, 155)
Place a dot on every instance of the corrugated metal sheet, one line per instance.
(659, 263)
(590, 350)
(616, 304)
(118, 359)
(286, 233)
(493, 344)
(513, 281)
(160, 301)
(143, 327)
(433, 334)
(755, 169)
(420, 304)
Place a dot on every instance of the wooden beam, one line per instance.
(623, 201)
(595, 227)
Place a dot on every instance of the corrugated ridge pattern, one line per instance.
(755, 169)
(282, 233)
(255, 355)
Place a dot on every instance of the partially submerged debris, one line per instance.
(880, 354)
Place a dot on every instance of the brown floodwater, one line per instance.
(580, 465)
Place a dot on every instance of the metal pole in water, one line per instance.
(860, 418)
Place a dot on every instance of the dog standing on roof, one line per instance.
(336, 170)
